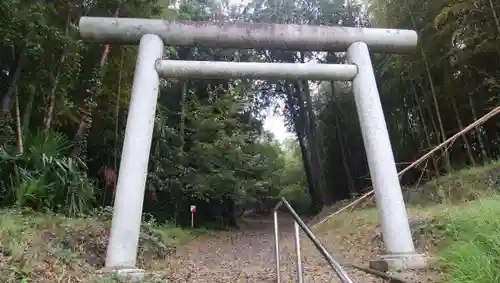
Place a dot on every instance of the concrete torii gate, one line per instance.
(152, 34)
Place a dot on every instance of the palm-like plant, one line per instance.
(44, 178)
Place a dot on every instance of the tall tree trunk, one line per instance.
(117, 123)
(19, 132)
(305, 101)
(438, 111)
(479, 134)
(79, 144)
(16, 68)
(316, 200)
(314, 144)
(345, 163)
(434, 96)
(497, 22)
(460, 125)
(428, 107)
(182, 126)
(27, 112)
(409, 127)
(52, 98)
(117, 111)
(311, 148)
(55, 81)
(424, 126)
(182, 129)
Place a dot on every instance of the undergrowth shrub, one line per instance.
(298, 198)
(472, 252)
(44, 178)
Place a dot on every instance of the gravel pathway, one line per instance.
(247, 255)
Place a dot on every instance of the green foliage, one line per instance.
(215, 153)
(208, 146)
(449, 81)
(293, 180)
(298, 197)
(473, 243)
(44, 178)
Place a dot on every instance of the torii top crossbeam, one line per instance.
(245, 35)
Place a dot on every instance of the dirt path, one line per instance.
(247, 255)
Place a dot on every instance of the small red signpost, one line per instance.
(192, 208)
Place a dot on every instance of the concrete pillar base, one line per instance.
(126, 275)
(399, 262)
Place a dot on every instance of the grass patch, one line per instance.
(460, 224)
(37, 247)
(471, 247)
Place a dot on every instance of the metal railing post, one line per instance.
(299, 223)
(276, 245)
(300, 276)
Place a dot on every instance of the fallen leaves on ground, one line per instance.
(248, 255)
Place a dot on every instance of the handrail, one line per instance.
(341, 273)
